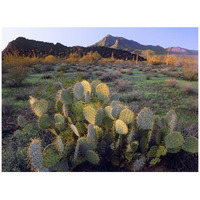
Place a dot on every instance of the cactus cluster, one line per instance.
(91, 125)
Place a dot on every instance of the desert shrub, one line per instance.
(130, 71)
(156, 60)
(16, 76)
(148, 76)
(164, 71)
(73, 58)
(130, 97)
(98, 73)
(8, 109)
(190, 69)
(22, 95)
(92, 129)
(110, 76)
(50, 59)
(171, 82)
(122, 85)
(171, 60)
(189, 89)
(91, 58)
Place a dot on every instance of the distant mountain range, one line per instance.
(26, 47)
(119, 47)
(135, 47)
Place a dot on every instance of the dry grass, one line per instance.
(171, 82)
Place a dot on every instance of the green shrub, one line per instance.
(91, 126)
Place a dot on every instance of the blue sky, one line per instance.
(165, 37)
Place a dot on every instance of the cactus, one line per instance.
(44, 122)
(35, 154)
(126, 116)
(91, 132)
(78, 91)
(143, 144)
(66, 96)
(21, 121)
(108, 112)
(59, 106)
(75, 130)
(114, 97)
(116, 111)
(89, 113)
(121, 127)
(59, 144)
(92, 157)
(99, 117)
(87, 87)
(102, 91)
(39, 107)
(145, 119)
(51, 158)
(154, 161)
(190, 145)
(161, 151)
(139, 164)
(89, 125)
(77, 110)
(152, 152)
(174, 140)
(94, 85)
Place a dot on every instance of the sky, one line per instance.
(165, 37)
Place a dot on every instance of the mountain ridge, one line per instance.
(133, 46)
(27, 47)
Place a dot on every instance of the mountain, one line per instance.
(26, 47)
(128, 45)
(135, 47)
(182, 51)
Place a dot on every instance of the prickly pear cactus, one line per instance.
(90, 125)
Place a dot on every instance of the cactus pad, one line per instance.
(102, 91)
(59, 144)
(145, 119)
(44, 122)
(91, 132)
(66, 96)
(99, 116)
(59, 118)
(152, 152)
(92, 157)
(191, 145)
(169, 115)
(139, 164)
(108, 112)
(121, 127)
(77, 110)
(40, 107)
(51, 158)
(161, 151)
(75, 130)
(21, 121)
(87, 97)
(154, 161)
(65, 110)
(174, 140)
(89, 113)
(116, 111)
(59, 106)
(126, 116)
(114, 97)
(78, 91)
(94, 85)
(67, 134)
(87, 86)
(35, 154)
(143, 144)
